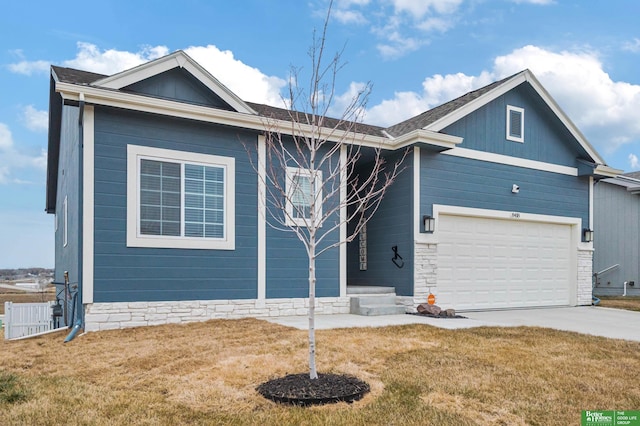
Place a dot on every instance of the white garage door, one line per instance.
(494, 264)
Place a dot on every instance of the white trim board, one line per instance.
(88, 204)
(343, 221)
(262, 218)
(511, 161)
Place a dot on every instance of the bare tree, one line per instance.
(312, 174)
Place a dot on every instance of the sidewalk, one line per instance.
(605, 322)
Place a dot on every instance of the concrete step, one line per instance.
(369, 289)
(369, 304)
(376, 310)
(376, 299)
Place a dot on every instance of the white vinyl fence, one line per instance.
(26, 319)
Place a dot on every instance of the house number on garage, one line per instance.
(515, 215)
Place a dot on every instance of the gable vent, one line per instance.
(515, 124)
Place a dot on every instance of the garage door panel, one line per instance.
(491, 263)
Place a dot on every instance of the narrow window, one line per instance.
(301, 192)
(515, 124)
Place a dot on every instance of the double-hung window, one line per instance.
(179, 199)
(515, 124)
(302, 190)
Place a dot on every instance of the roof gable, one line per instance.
(443, 116)
(179, 85)
(179, 59)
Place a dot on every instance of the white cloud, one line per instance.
(34, 119)
(14, 158)
(29, 67)
(633, 161)
(632, 46)
(6, 140)
(435, 24)
(349, 17)
(420, 8)
(111, 61)
(402, 26)
(436, 90)
(607, 110)
(540, 2)
(249, 83)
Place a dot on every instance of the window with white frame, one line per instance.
(178, 199)
(515, 123)
(302, 189)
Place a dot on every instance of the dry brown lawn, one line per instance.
(206, 373)
(630, 303)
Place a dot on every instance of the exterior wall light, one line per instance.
(429, 223)
(587, 235)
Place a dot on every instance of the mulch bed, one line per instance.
(441, 315)
(299, 389)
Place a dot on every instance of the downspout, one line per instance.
(79, 319)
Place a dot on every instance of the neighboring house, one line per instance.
(617, 236)
(159, 216)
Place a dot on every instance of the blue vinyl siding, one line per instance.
(66, 258)
(288, 263)
(390, 226)
(179, 85)
(455, 181)
(124, 274)
(545, 137)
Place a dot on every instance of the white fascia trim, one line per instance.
(427, 137)
(88, 204)
(262, 218)
(175, 60)
(130, 101)
(343, 221)
(518, 79)
(607, 171)
(134, 152)
(511, 161)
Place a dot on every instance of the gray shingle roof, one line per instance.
(634, 175)
(70, 75)
(431, 116)
(73, 76)
(332, 123)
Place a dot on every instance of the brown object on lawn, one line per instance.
(299, 389)
(425, 308)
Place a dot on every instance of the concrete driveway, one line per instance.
(606, 322)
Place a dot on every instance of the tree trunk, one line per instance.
(313, 374)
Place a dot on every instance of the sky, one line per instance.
(417, 54)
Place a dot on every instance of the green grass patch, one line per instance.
(12, 390)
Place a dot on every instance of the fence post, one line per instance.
(7, 319)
